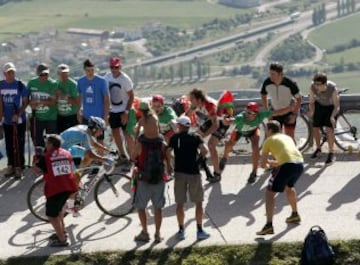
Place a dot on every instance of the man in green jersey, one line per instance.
(67, 103)
(166, 115)
(247, 125)
(43, 103)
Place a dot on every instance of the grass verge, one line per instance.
(347, 252)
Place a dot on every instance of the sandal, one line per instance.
(158, 238)
(142, 237)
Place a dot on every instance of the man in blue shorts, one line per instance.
(288, 165)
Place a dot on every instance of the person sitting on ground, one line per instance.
(288, 165)
(247, 125)
(81, 141)
(56, 165)
(324, 107)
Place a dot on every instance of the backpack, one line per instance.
(151, 164)
(316, 249)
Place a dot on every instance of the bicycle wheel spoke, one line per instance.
(113, 195)
(36, 200)
(346, 131)
(302, 132)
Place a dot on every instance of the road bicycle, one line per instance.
(346, 126)
(112, 191)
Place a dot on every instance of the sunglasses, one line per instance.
(43, 74)
(114, 67)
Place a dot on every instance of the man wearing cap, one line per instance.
(43, 103)
(13, 102)
(167, 116)
(67, 99)
(121, 100)
(93, 95)
(187, 175)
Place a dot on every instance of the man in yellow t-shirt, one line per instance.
(287, 164)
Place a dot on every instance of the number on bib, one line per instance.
(61, 167)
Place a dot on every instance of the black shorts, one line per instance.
(101, 137)
(55, 203)
(285, 175)
(285, 120)
(221, 131)
(322, 115)
(65, 122)
(115, 121)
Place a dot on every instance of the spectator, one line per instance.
(67, 99)
(13, 102)
(56, 165)
(247, 125)
(121, 98)
(149, 155)
(324, 107)
(148, 122)
(282, 92)
(187, 176)
(287, 168)
(166, 115)
(205, 109)
(43, 103)
(93, 95)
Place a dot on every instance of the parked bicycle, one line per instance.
(112, 191)
(346, 125)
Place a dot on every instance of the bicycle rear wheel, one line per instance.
(36, 200)
(346, 130)
(302, 132)
(113, 194)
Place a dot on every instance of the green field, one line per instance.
(339, 32)
(37, 15)
(347, 56)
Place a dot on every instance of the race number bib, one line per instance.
(61, 167)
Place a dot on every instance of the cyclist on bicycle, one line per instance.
(247, 125)
(166, 115)
(324, 107)
(81, 141)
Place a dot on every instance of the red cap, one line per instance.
(158, 98)
(115, 61)
(253, 106)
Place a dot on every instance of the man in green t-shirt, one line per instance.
(247, 125)
(166, 115)
(67, 103)
(43, 103)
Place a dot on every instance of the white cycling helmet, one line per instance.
(96, 123)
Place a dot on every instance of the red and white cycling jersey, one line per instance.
(206, 112)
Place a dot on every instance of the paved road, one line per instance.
(234, 211)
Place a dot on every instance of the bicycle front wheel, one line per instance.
(346, 130)
(36, 200)
(302, 132)
(113, 194)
